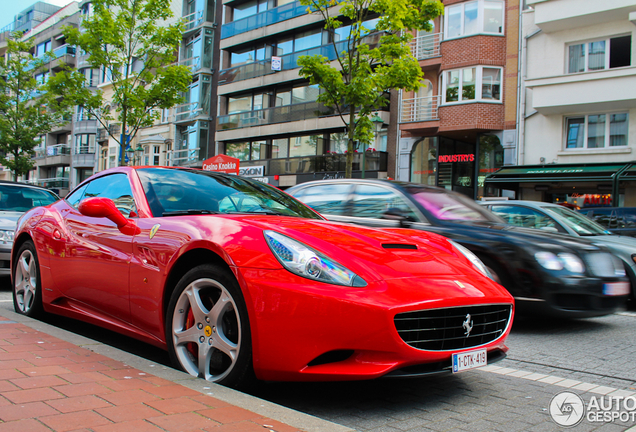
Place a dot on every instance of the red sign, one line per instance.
(222, 163)
(457, 158)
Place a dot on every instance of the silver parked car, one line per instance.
(556, 218)
(15, 200)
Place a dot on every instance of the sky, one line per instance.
(10, 8)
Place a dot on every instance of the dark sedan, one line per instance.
(546, 272)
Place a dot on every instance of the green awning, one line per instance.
(629, 174)
(554, 173)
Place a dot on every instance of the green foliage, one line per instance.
(126, 39)
(27, 110)
(371, 64)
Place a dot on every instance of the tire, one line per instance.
(207, 327)
(27, 287)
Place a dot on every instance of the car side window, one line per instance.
(524, 217)
(603, 217)
(371, 201)
(117, 188)
(75, 197)
(328, 199)
(625, 219)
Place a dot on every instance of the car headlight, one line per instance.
(6, 236)
(564, 260)
(306, 262)
(477, 263)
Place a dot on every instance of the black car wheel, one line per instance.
(27, 289)
(207, 327)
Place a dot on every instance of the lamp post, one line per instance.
(377, 123)
(133, 154)
(139, 153)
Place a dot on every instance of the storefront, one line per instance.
(580, 185)
(456, 165)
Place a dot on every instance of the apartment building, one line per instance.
(25, 21)
(577, 123)
(462, 125)
(268, 115)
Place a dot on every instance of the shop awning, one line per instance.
(629, 173)
(558, 173)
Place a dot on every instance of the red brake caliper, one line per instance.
(191, 347)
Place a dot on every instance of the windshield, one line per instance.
(172, 192)
(23, 198)
(451, 206)
(579, 223)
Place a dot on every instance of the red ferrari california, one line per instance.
(238, 280)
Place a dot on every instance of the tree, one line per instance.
(26, 109)
(131, 44)
(367, 65)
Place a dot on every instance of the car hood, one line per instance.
(376, 253)
(9, 219)
(622, 246)
(531, 235)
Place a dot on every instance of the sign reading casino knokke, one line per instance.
(222, 163)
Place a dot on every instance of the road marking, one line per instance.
(5, 301)
(559, 381)
(630, 314)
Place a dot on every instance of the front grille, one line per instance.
(446, 329)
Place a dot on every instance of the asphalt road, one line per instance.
(591, 358)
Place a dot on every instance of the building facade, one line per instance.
(268, 116)
(577, 122)
(462, 125)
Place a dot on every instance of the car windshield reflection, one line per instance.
(452, 207)
(22, 199)
(579, 223)
(187, 192)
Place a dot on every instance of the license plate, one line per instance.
(616, 288)
(469, 360)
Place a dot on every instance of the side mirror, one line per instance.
(396, 214)
(105, 208)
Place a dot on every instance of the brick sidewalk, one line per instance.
(47, 384)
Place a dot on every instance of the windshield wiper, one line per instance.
(188, 212)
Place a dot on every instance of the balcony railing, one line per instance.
(373, 161)
(269, 17)
(190, 110)
(419, 109)
(426, 46)
(54, 182)
(53, 150)
(194, 63)
(83, 117)
(54, 55)
(193, 20)
(183, 157)
(289, 61)
(266, 116)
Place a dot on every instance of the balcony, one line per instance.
(289, 61)
(85, 158)
(102, 134)
(64, 54)
(263, 19)
(190, 112)
(553, 16)
(55, 182)
(332, 162)
(183, 157)
(53, 155)
(426, 46)
(419, 109)
(267, 116)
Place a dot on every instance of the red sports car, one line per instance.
(237, 280)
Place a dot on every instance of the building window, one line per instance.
(596, 131)
(245, 151)
(600, 55)
(474, 83)
(474, 17)
(85, 144)
(42, 48)
(42, 78)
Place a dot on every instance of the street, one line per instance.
(591, 357)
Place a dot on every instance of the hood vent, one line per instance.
(398, 246)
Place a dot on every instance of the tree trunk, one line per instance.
(351, 148)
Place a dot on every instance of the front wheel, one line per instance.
(27, 288)
(207, 327)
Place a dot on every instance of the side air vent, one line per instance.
(398, 246)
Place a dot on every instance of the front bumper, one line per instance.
(310, 331)
(5, 262)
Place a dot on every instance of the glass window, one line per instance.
(599, 55)
(524, 217)
(469, 18)
(452, 86)
(491, 84)
(305, 145)
(259, 150)
(328, 199)
(239, 104)
(240, 150)
(21, 199)
(285, 46)
(468, 84)
(338, 143)
(444, 205)
(242, 57)
(595, 131)
(115, 187)
(371, 201)
(74, 198)
(42, 48)
(306, 40)
(244, 10)
(280, 148)
(305, 94)
(283, 98)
